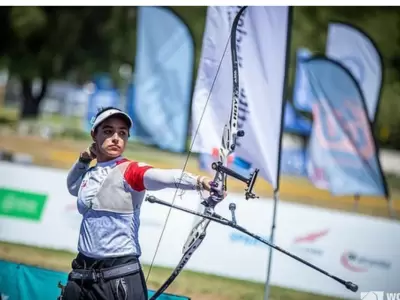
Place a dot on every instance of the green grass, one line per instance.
(196, 285)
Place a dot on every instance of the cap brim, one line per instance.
(111, 113)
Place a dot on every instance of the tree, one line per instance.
(60, 42)
(65, 42)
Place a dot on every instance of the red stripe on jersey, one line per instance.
(134, 174)
(121, 161)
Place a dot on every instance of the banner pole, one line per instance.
(392, 211)
(356, 202)
(273, 225)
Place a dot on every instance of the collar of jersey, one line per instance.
(110, 162)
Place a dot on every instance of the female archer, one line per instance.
(109, 197)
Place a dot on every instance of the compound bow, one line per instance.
(219, 184)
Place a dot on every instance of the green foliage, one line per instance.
(61, 42)
(25, 21)
(75, 42)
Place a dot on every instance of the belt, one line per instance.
(106, 273)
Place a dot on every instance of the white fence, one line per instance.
(361, 249)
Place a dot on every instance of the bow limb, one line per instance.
(228, 144)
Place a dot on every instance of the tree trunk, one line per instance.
(30, 102)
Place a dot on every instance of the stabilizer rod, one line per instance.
(221, 220)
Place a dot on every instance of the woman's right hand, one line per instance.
(90, 152)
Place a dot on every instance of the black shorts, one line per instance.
(128, 287)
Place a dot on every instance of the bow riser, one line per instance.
(233, 122)
(230, 132)
(198, 231)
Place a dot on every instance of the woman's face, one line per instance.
(111, 137)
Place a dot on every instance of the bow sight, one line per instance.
(229, 145)
(249, 181)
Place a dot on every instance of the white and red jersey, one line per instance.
(109, 197)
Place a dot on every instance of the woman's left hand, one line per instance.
(206, 183)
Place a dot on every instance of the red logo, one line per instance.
(348, 260)
(357, 263)
(306, 244)
(343, 131)
(311, 237)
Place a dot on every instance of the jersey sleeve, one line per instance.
(157, 179)
(134, 175)
(75, 176)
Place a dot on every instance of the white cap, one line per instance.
(107, 114)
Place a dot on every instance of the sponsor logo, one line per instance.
(371, 295)
(304, 242)
(357, 263)
(311, 237)
(305, 245)
(238, 237)
(22, 204)
(379, 295)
